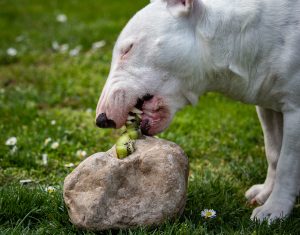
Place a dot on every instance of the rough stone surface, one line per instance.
(144, 189)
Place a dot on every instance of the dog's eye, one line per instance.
(126, 50)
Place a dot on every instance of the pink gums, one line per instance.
(155, 117)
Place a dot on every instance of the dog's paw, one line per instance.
(258, 194)
(253, 191)
(270, 212)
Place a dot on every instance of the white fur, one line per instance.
(246, 49)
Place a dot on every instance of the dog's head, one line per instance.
(153, 66)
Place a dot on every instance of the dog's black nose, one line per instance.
(103, 122)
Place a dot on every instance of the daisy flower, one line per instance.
(55, 46)
(50, 189)
(81, 153)
(208, 213)
(98, 45)
(53, 122)
(45, 159)
(69, 165)
(47, 141)
(54, 145)
(61, 18)
(12, 141)
(11, 52)
(75, 51)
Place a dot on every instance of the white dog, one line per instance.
(172, 51)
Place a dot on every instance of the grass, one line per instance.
(221, 137)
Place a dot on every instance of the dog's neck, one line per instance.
(230, 47)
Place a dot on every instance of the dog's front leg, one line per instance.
(287, 180)
(272, 125)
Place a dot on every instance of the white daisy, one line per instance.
(55, 46)
(61, 18)
(75, 51)
(47, 141)
(54, 145)
(12, 141)
(53, 122)
(50, 189)
(98, 45)
(69, 165)
(45, 159)
(11, 52)
(208, 213)
(81, 153)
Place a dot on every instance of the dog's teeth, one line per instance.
(128, 122)
(135, 110)
(130, 118)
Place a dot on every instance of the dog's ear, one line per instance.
(180, 7)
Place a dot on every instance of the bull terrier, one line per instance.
(172, 51)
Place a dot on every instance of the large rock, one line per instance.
(146, 188)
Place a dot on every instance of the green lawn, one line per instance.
(47, 93)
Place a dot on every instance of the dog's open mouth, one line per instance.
(153, 112)
(138, 110)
